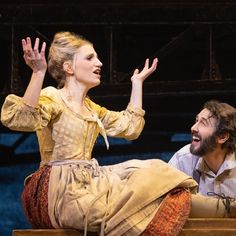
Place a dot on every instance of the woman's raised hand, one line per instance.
(145, 72)
(34, 58)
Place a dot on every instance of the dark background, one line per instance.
(193, 40)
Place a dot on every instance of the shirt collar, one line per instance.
(228, 164)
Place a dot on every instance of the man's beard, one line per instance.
(207, 145)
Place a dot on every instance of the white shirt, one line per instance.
(224, 182)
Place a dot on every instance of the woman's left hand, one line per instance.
(145, 72)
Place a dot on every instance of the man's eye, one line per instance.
(204, 122)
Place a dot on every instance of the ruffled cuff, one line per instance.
(136, 110)
(13, 100)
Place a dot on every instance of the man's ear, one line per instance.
(67, 67)
(222, 138)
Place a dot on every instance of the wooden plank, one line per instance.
(192, 227)
(49, 232)
(210, 223)
(184, 232)
(208, 232)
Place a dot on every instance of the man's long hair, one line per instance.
(226, 122)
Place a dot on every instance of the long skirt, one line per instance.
(168, 220)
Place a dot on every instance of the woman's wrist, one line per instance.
(39, 74)
(136, 82)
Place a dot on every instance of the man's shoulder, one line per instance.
(183, 155)
(184, 160)
(184, 151)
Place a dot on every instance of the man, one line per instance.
(210, 158)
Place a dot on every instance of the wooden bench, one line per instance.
(209, 227)
(47, 232)
(193, 227)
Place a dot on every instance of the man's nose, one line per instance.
(194, 128)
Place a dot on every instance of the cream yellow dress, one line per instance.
(114, 200)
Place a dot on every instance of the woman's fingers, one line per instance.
(32, 53)
(33, 58)
(28, 42)
(148, 70)
(136, 71)
(27, 46)
(36, 45)
(146, 65)
(43, 48)
(154, 63)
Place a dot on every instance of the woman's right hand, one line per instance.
(33, 58)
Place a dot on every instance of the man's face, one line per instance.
(203, 134)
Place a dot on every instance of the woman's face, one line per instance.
(87, 66)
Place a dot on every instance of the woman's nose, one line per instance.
(99, 63)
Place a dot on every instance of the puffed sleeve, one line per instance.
(17, 115)
(126, 124)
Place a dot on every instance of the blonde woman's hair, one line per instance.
(63, 48)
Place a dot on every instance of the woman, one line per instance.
(70, 189)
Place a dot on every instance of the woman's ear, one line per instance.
(222, 138)
(67, 67)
